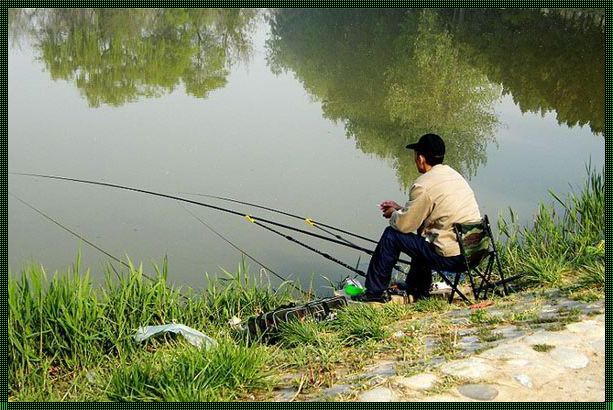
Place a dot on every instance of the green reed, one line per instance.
(564, 249)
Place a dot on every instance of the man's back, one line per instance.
(443, 197)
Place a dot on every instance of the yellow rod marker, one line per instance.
(309, 221)
(250, 219)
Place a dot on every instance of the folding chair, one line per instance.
(477, 247)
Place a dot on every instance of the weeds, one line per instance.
(556, 247)
(359, 323)
(223, 373)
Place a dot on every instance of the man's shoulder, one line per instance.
(437, 173)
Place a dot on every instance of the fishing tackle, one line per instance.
(256, 220)
(309, 221)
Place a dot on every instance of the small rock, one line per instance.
(460, 313)
(497, 313)
(336, 390)
(383, 369)
(470, 339)
(508, 332)
(460, 321)
(509, 352)
(466, 332)
(286, 394)
(473, 368)
(422, 381)
(548, 317)
(430, 343)
(479, 391)
(379, 394)
(524, 380)
(590, 329)
(436, 361)
(570, 358)
(552, 338)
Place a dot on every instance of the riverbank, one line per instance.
(72, 340)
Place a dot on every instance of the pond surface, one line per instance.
(302, 110)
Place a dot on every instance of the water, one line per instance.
(302, 110)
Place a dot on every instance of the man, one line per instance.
(439, 198)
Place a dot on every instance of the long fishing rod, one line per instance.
(308, 221)
(177, 198)
(279, 276)
(325, 255)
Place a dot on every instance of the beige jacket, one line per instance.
(438, 199)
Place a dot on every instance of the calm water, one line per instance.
(307, 111)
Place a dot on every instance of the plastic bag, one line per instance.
(192, 336)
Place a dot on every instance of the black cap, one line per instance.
(429, 144)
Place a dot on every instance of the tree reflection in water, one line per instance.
(117, 56)
(392, 75)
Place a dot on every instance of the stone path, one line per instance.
(523, 364)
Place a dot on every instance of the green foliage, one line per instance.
(220, 374)
(542, 347)
(566, 250)
(360, 323)
(64, 325)
(306, 333)
(482, 316)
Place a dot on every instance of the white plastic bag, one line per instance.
(192, 336)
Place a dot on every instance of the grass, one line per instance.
(561, 250)
(220, 374)
(72, 339)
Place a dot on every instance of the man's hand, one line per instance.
(388, 208)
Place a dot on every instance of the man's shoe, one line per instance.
(368, 297)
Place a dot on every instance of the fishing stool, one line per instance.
(476, 247)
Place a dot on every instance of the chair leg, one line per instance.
(454, 287)
(504, 282)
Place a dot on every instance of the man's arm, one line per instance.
(410, 218)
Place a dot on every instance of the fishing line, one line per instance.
(67, 229)
(279, 276)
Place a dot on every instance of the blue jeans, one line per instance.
(423, 260)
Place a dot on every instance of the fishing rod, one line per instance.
(279, 276)
(304, 245)
(118, 260)
(177, 198)
(308, 221)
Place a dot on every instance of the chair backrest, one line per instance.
(475, 240)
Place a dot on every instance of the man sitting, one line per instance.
(439, 198)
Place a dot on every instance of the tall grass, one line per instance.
(223, 373)
(564, 249)
(63, 324)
